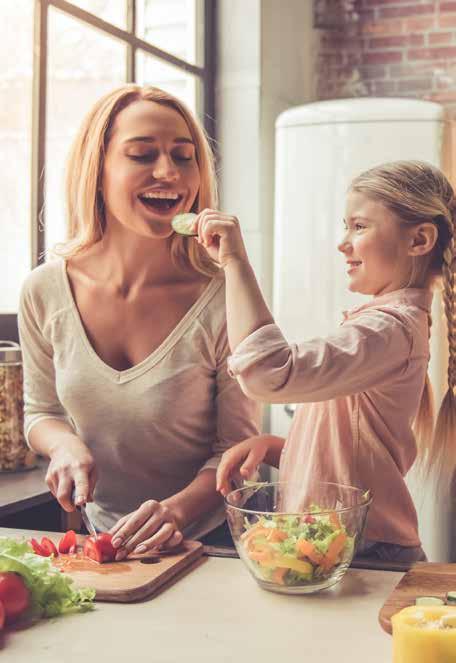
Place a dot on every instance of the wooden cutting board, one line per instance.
(131, 579)
(423, 579)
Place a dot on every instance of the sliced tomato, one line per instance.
(100, 548)
(38, 548)
(49, 546)
(14, 595)
(2, 615)
(67, 542)
(92, 550)
(104, 541)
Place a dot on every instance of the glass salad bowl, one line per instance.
(297, 551)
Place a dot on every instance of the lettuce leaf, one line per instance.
(51, 591)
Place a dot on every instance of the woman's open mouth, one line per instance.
(161, 202)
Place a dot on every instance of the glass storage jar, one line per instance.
(15, 455)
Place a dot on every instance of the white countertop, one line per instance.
(216, 614)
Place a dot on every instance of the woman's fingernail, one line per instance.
(116, 542)
(121, 555)
(140, 549)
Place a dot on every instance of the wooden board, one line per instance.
(423, 579)
(131, 579)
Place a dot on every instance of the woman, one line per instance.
(124, 337)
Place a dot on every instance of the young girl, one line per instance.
(364, 389)
(124, 336)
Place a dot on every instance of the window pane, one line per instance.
(176, 26)
(112, 11)
(15, 154)
(83, 65)
(152, 71)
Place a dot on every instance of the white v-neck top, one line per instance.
(151, 428)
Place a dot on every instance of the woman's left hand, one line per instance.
(152, 525)
(220, 234)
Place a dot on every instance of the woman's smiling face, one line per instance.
(375, 246)
(150, 171)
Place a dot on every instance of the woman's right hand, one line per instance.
(71, 468)
(243, 458)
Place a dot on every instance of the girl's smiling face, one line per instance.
(150, 171)
(376, 247)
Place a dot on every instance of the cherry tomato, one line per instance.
(100, 548)
(14, 595)
(49, 546)
(67, 543)
(38, 548)
(2, 615)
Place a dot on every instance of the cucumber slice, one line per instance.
(182, 224)
(429, 600)
(451, 597)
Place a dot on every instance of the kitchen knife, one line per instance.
(86, 520)
(85, 517)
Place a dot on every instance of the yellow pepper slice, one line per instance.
(288, 562)
(422, 634)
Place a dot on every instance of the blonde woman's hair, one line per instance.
(84, 199)
(417, 192)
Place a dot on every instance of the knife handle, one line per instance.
(73, 498)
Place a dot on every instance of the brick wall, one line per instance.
(391, 48)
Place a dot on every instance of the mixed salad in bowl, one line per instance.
(296, 552)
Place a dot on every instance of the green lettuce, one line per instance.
(51, 592)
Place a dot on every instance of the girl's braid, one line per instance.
(449, 257)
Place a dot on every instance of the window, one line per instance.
(61, 56)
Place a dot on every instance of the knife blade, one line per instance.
(86, 520)
(85, 516)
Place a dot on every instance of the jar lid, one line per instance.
(10, 352)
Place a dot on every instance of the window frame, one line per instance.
(206, 74)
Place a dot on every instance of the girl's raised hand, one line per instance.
(220, 235)
(244, 459)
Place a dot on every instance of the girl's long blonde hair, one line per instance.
(417, 192)
(84, 198)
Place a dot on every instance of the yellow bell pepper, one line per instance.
(424, 634)
(288, 562)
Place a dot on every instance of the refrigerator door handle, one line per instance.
(290, 409)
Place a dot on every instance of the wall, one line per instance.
(399, 48)
(266, 59)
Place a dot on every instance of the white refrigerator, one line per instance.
(320, 147)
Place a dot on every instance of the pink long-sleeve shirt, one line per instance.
(359, 391)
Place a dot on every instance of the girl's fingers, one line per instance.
(223, 472)
(215, 228)
(228, 465)
(211, 222)
(250, 465)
